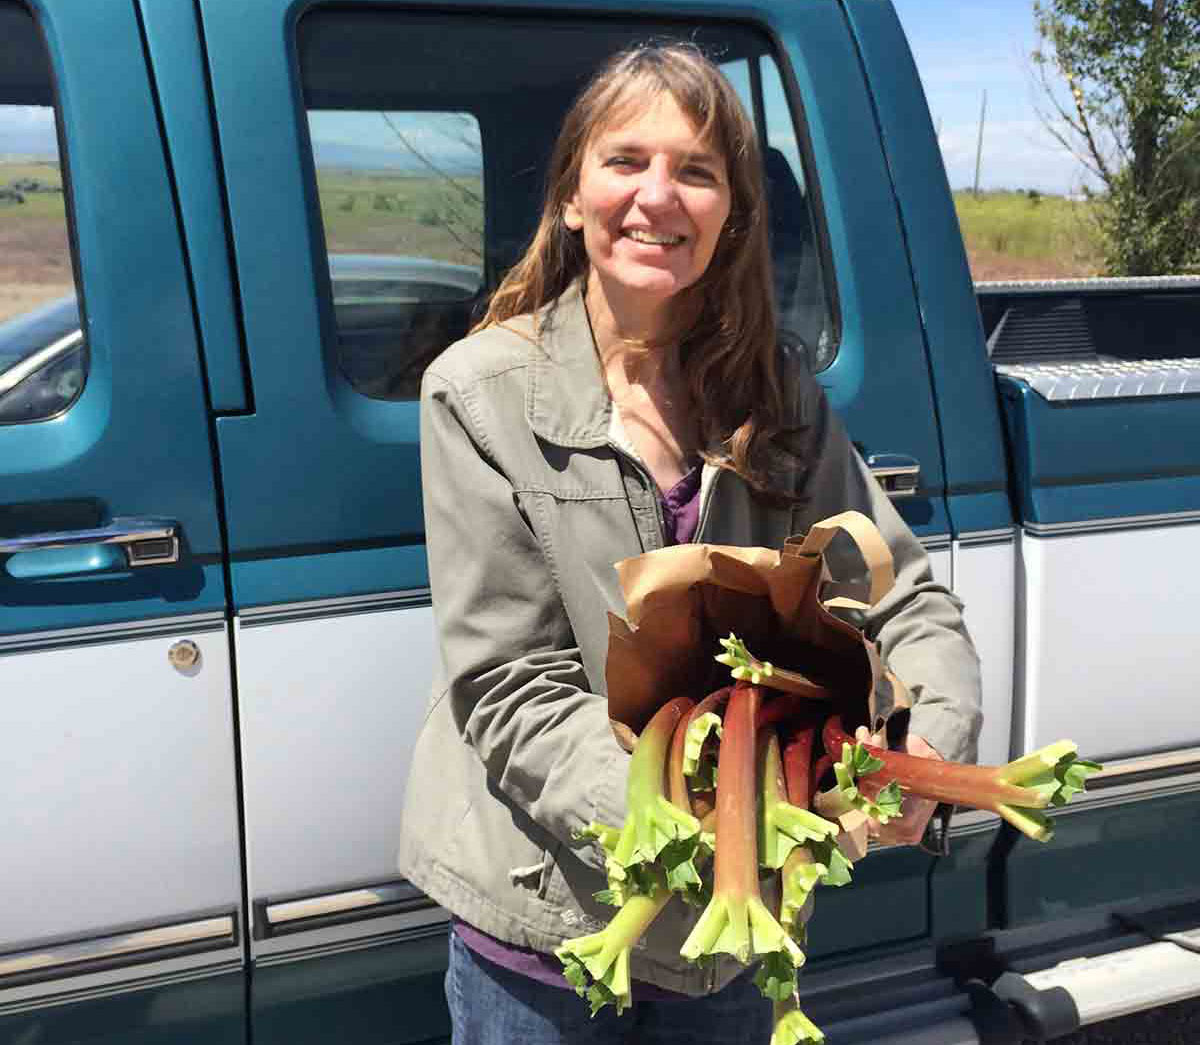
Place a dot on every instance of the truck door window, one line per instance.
(43, 354)
(401, 197)
(804, 313)
(429, 162)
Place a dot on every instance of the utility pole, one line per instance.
(979, 146)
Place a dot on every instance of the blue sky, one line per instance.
(961, 48)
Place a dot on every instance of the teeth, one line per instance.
(661, 239)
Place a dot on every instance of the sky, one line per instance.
(964, 47)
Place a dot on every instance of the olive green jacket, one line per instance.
(530, 498)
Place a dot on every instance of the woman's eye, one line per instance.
(699, 173)
(619, 161)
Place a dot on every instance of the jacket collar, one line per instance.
(566, 402)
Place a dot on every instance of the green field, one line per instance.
(388, 213)
(1014, 235)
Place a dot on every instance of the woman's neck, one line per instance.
(619, 319)
(646, 385)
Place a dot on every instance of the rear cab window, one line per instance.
(429, 172)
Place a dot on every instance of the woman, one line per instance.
(624, 391)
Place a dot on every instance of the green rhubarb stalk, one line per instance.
(800, 875)
(792, 1027)
(597, 965)
(781, 825)
(695, 735)
(736, 921)
(1018, 791)
(656, 832)
(745, 667)
(687, 747)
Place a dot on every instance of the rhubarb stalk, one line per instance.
(1017, 791)
(781, 825)
(736, 921)
(745, 667)
(656, 832)
(597, 966)
(792, 1027)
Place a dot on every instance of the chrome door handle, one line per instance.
(145, 541)
(898, 474)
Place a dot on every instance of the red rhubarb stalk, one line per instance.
(1016, 791)
(736, 921)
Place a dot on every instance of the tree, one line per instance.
(1132, 72)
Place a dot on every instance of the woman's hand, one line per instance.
(909, 827)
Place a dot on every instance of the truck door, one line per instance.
(121, 882)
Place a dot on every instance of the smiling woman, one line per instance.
(627, 389)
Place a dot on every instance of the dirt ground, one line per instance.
(989, 265)
(35, 263)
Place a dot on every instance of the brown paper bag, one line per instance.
(681, 600)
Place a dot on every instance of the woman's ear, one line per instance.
(572, 216)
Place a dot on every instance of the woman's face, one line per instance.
(651, 202)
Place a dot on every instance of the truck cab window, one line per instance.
(429, 172)
(43, 354)
(401, 198)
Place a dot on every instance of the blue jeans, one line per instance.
(490, 1005)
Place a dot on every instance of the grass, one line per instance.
(1012, 235)
(385, 212)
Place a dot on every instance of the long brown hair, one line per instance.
(728, 351)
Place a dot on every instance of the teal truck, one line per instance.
(215, 625)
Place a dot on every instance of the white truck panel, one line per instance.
(117, 776)
(1110, 643)
(330, 709)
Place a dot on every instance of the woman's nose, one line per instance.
(656, 188)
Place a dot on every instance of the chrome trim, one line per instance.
(977, 537)
(34, 362)
(257, 616)
(937, 542)
(972, 822)
(340, 903)
(120, 631)
(1168, 763)
(125, 531)
(108, 983)
(417, 931)
(1131, 522)
(56, 959)
(1097, 284)
(1121, 781)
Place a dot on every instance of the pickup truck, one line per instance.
(215, 625)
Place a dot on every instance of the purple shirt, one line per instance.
(681, 516)
(681, 508)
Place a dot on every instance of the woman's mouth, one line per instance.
(657, 239)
